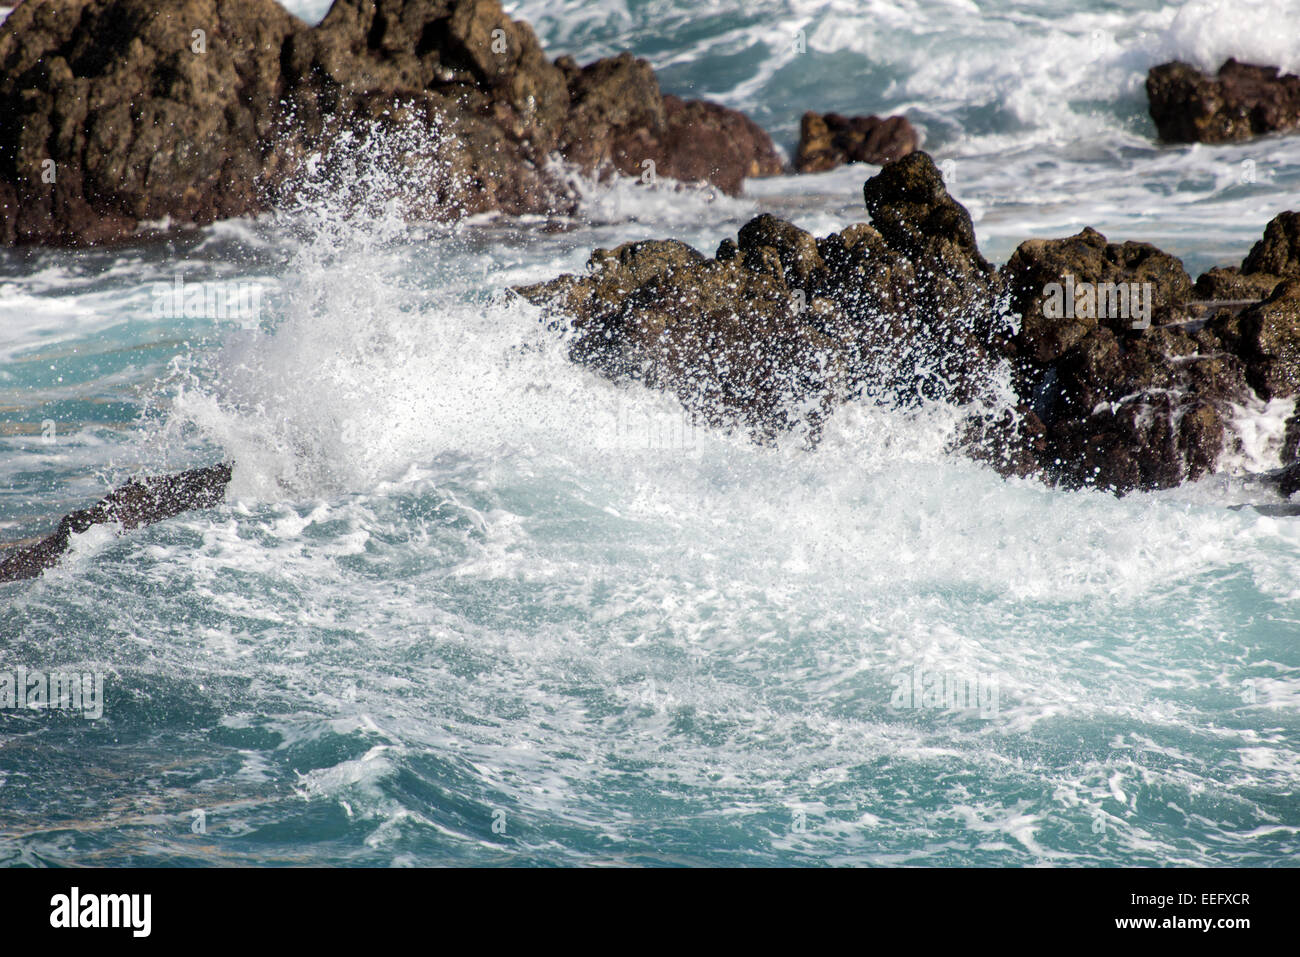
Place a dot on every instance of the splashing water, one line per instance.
(471, 603)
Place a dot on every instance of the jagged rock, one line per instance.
(1278, 252)
(1229, 283)
(1122, 394)
(780, 325)
(1149, 414)
(1270, 342)
(912, 211)
(1242, 101)
(108, 99)
(137, 503)
(1087, 258)
(145, 119)
(1275, 257)
(832, 140)
(1126, 400)
(727, 338)
(801, 262)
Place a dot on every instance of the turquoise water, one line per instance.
(467, 603)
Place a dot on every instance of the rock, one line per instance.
(145, 119)
(1037, 272)
(1121, 391)
(111, 118)
(137, 503)
(724, 336)
(1242, 101)
(1291, 441)
(832, 140)
(1150, 415)
(781, 326)
(1270, 342)
(1278, 252)
(1275, 257)
(1289, 481)
(1230, 284)
(801, 262)
(1128, 398)
(912, 211)
(689, 145)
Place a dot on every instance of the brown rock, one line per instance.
(1087, 258)
(1271, 342)
(832, 140)
(781, 326)
(111, 99)
(143, 119)
(137, 503)
(1242, 101)
(1278, 252)
(1230, 284)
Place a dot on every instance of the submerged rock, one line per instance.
(135, 504)
(121, 112)
(1241, 101)
(831, 140)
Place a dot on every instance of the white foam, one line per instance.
(1258, 432)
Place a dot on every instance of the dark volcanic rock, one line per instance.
(1127, 400)
(832, 140)
(1087, 258)
(727, 337)
(1151, 414)
(913, 212)
(1270, 342)
(1230, 284)
(111, 118)
(1122, 390)
(780, 325)
(117, 112)
(1278, 253)
(1274, 258)
(1240, 102)
(139, 502)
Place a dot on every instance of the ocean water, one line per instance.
(468, 603)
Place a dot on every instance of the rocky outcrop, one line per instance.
(1124, 380)
(831, 140)
(121, 112)
(1274, 258)
(135, 504)
(111, 118)
(1267, 337)
(1125, 394)
(1240, 102)
(1254, 313)
(779, 326)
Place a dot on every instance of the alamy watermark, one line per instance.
(208, 300)
(635, 426)
(1073, 299)
(1099, 300)
(53, 691)
(923, 689)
